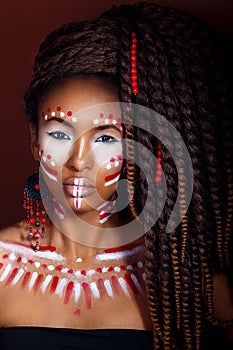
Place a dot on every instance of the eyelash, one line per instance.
(59, 135)
(106, 139)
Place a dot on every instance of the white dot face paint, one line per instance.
(78, 141)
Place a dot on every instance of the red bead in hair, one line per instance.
(134, 78)
(158, 172)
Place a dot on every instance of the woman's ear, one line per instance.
(34, 141)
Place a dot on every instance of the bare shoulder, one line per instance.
(223, 297)
(223, 302)
(10, 233)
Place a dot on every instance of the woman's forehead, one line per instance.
(78, 94)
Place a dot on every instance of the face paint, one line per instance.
(110, 119)
(80, 133)
(81, 288)
(47, 164)
(112, 254)
(58, 209)
(29, 254)
(106, 210)
(99, 145)
(57, 112)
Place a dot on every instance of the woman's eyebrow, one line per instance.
(59, 120)
(97, 128)
(105, 127)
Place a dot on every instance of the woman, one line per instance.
(64, 285)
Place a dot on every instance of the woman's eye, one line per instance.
(106, 138)
(59, 135)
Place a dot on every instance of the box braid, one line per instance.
(179, 76)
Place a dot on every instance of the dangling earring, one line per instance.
(35, 212)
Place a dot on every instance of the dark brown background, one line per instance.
(23, 25)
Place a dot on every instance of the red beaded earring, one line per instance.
(35, 213)
(134, 77)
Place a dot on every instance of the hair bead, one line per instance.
(134, 78)
(158, 173)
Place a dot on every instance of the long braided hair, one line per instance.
(179, 76)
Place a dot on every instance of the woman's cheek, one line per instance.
(52, 155)
(109, 161)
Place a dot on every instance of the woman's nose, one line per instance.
(80, 157)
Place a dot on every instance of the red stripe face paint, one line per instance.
(123, 248)
(115, 285)
(26, 279)
(130, 283)
(12, 275)
(50, 170)
(87, 294)
(101, 287)
(110, 179)
(38, 282)
(54, 284)
(68, 292)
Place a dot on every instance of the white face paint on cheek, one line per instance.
(114, 166)
(52, 153)
(108, 156)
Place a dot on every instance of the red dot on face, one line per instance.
(48, 156)
(101, 115)
(119, 120)
(42, 151)
(43, 114)
(38, 145)
(69, 114)
(110, 116)
(48, 110)
(112, 159)
(58, 108)
(120, 157)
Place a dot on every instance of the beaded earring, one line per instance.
(35, 213)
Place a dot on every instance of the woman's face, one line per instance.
(79, 142)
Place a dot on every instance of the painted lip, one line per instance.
(78, 187)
